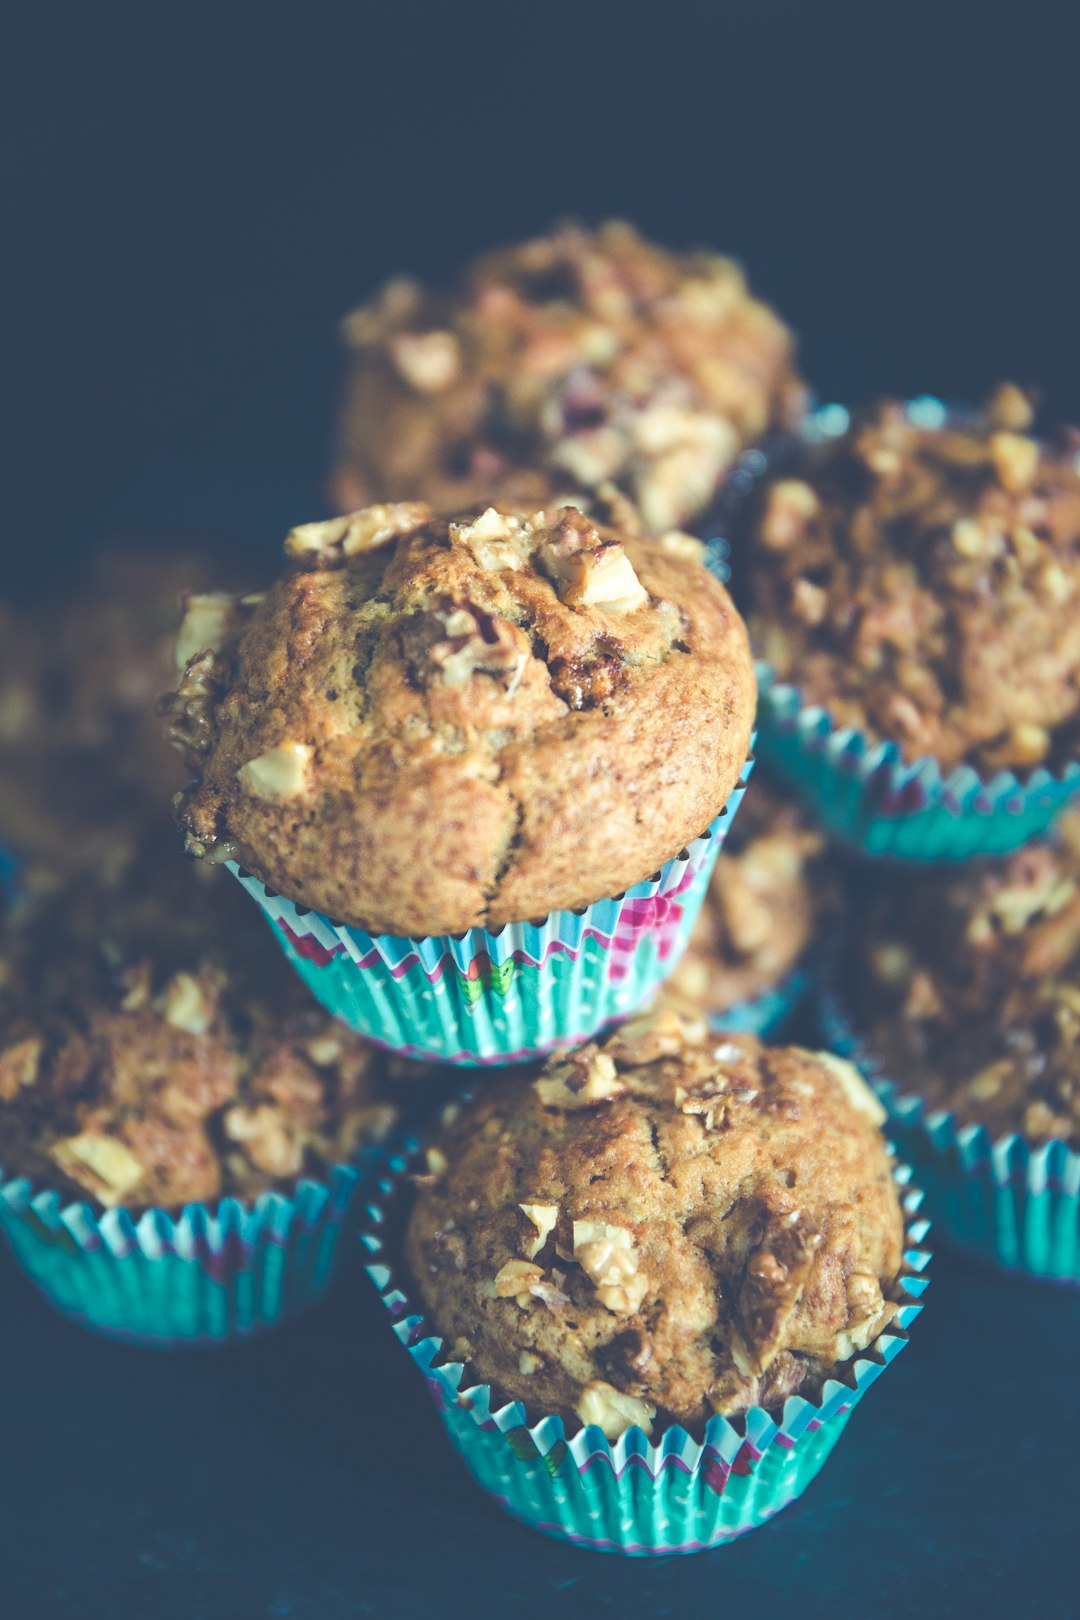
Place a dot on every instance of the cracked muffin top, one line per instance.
(922, 584)
(582, 361)
(153, 1051)
(762, 910)
(428, 726)
(966, 987)
(660, 1227)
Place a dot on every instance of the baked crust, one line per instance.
(429, 726)
(578, 362)
(922, 584)
(661, 1226)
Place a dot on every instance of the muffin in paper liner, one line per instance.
(211, 1275)
(503, 996)
(1010, 1202)
(862, 790)
(633, 1495)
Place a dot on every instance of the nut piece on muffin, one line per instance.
(762, 911)
(923, 583)
(155, 1052)
(660, 1227)
(966, 987)
(588, 361)
(430, 725)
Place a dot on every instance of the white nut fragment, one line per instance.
(1015, 459)
(528, 1363)
(113, 1168)
(686, 546)
(609, 1409)
(208, 624)
(366, 530)
(497, 540)
(516, 1280)
(586, 1078)
(970, 539)
(543, 1217)
(603, 579)
(19, 1064)
(789, 506)
(185, 1006)
(280, 773)
(607, 1255)
(437, 1162)
(853, 1086)
(428, 361)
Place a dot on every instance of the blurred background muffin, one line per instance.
(587, 362)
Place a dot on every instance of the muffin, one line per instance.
(964, 991)
(659, 1236)
(165, 1077)
(433, 728)
(743, 966)
(587, 362)
(917, 583)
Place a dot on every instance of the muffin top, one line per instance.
(922, 584)
(82, 760)
(582, 361)
(660, 1227)
(966, 987)
(428, 726)
(762, 909)
(156, 1050)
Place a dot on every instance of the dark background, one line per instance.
(191, 198)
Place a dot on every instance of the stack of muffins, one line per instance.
(474, 755)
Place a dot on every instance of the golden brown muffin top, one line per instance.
(428, 726)
(966, 987)
(583, 360)
(762, 910)
(659, 1227)
(156, 1050)
(922, 584)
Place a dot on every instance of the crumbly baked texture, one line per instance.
(966, 987)
(82, 759)
(923, 585)
(582, 361)
(428, 725)
(762, 910)
(155, 1048)
(662, 1226)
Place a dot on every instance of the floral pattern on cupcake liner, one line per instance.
(510, 993)
(1007, 1201)
(633, 1495)
(207, 1276)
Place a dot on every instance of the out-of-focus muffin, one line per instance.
(584, 362)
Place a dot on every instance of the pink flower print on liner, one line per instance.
(307, 946)
(659, 916)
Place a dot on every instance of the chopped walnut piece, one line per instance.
(19, 1064)
(543, 1218)
(516, 1280)
(686, 546)
(789, 506)
(279, 774)
(373, 526)
(1015, 459)
(264, 1135)
(185, 1007)
(102, 1164)
(603, 579)
(853, 1086)
(495, 539)
(606, 1407)
(584, 1079)
(428, 361)
(1009, 407)
(209, 622)
(455, 640)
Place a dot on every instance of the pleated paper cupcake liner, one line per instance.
(765, 1013)
(1007, 1201)
(205, 1277)
(513, 993)
(633, 1495)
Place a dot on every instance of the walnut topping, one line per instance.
(685, 546)
(517, 1280)
(603, 579)
(279, 774)
(1015, 459)
(853, 1086)
(587, 1077)
(776, 1274)
(543, 1218)
(266, 1139)
(366, 530)
(1010, 407)
(208, 624)
(455, 640)
(607, 1255)
(102, 1163)
(437, 1162)
(185, 1006)
(970, 538)
(789, 506)
(656, 1033)
(609, 1409)
(496, 539)
(528, 1363)
(428, 361)
(19, 1066)
(572, 535)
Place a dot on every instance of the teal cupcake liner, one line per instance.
(633, 1495)
(868, 796)
(208, 1276)
(763, 1015)
(1007, 1201)
(513, 993)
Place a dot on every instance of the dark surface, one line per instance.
(306, 1476)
